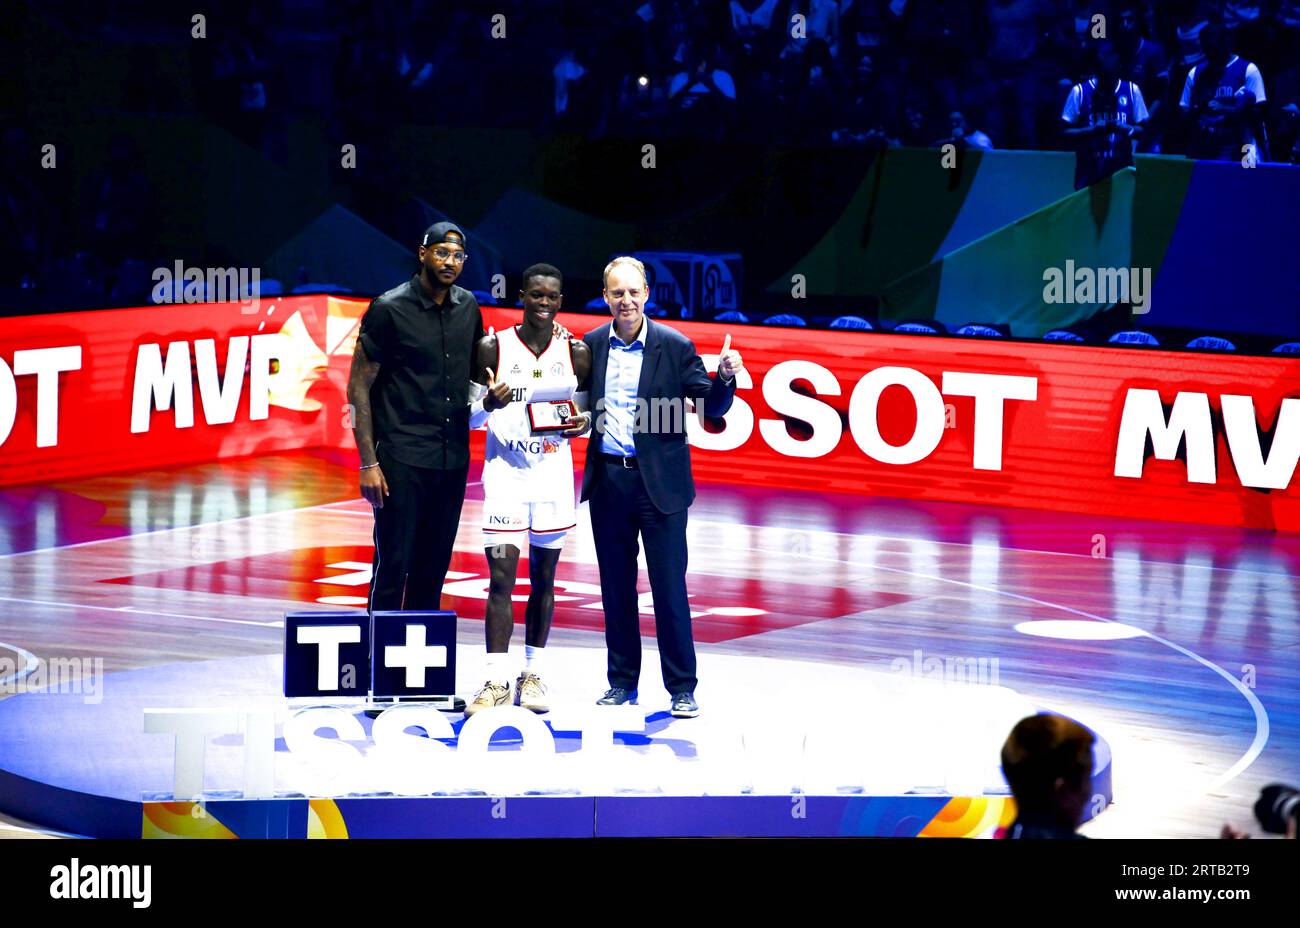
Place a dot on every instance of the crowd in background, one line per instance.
(866, 73)
(790, 72)
(853, 72)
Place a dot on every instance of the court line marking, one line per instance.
(30, 662)
(138, 611)
(1281, 574)
(1000, 547)
(1262, 726)
(196, 525)
(354, 510)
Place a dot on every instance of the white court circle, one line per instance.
(1079, 630)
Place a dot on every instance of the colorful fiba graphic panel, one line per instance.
(516, 817)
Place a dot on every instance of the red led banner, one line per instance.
(1147, 434)
(838, 411)
(94, 392)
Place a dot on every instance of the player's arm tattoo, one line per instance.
(360, 379)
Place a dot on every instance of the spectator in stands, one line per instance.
(1286, 140)
(1144, 62)
(864, 105)
(676, 26)
(1194, 17)
(963, 135)
(1016, 31)
(1144, 59)
(702, 95)
(822, 91)
(1102, 115)
(1250, 27)
(1222, 96)
(917, 127)
(1073, 46)
(1284, 85)
(1288, 21)
(1179, 29)
(932, 41)
(751, 20)
(755, 32)
(701, 79)
(567, 71)
(1047, 760)
(824, 23)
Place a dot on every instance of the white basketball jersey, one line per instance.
(517, 463)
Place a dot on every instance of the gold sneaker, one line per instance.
(492, 695)
(530, 693)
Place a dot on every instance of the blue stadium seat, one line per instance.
(784, 319)
(1287, 348)
(918, 328)
(732, 315)
(1134, 337)
(1212, 342)
(851, 322)
(1062, 335)
(976, 328)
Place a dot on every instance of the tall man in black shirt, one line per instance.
(409, 389)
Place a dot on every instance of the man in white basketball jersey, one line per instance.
(527, 479)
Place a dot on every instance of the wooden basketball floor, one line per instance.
(1178, 643)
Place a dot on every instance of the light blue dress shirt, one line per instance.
(622, 377)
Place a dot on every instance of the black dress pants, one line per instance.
(415, 531)
(621, 511)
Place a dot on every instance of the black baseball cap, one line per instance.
(441, 232)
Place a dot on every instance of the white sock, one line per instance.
(533, 658)
(498, 670)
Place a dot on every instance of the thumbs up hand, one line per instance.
(498, 394)
(729, 362)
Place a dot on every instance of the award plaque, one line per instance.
(551, 415)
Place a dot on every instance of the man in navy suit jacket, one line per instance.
(638, 478)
